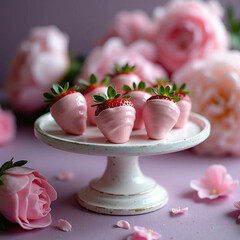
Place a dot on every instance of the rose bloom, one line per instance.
(25, 198)
(215, 85)
(101, 60)
(40, 61)
(131, 26)
(188, 30)
(7, 126)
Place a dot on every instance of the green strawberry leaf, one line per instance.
(19, 163)
(92, 79)
(6, 166)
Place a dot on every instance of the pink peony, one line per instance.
(131, 26)
(216, 183)
(188, 30)
(101, 60)
(40, 61)
(25, 198)
(215, 86)
(7, 126)
(142, 233)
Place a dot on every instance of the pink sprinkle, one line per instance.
(179, 210)
(64, 225)
(123, 224)
(65, 175)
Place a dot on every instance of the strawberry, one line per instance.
(139, 96)
(125, 75)
(160, 112)
(68, 108)
(90, 89)
(115, 115)
(184, 105)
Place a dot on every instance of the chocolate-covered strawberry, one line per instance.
(115, 115)
(90, 89)
(185, 105)
(139, 96)
(68, 108)
(125, 75)
(160, 112)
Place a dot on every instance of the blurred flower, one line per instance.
(188, 30)
(25, 196)
(40, 61)
(216, 183)
(142, 233)
(101, 60)
(131, 26)
(7, 126)
(215, 86)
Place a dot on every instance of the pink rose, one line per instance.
(215, 86)
(131, 26)
(101, 60)
(40, 61)
(7, 126)
(25, 198)
(188, 30)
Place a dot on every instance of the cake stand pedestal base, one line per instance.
(123, 190)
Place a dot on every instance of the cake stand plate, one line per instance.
(123, 189)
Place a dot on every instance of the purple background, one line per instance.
(83, 20)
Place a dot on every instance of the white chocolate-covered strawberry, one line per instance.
(115, 116)
(185, 105)
(68, 108)
(92, 88)
(125, 75)
(138, 96)
(160, 113)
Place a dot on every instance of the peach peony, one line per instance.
(101, 60)
(215, 85)
(188, 30)
(40, 61)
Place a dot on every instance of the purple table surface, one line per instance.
(215, 219)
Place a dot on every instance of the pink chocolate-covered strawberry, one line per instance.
(115, 115)
(185, 105)
(125, 75)
(160, 112)
(139, 96)
(68, 107)
(90, 89)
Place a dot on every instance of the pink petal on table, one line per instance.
(215, 183)
(64, 225)
(142, 233)
(65, 175)
(179, 210)
(123, 224)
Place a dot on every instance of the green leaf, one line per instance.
(93, 79)
(48, 95)
(20, 163)
(161, 90)
(1, 182)
(103, 95)
(154, 91)
(126, 96)
(126, 88)
(111, 92)
(149, 89)
(117, 96)
(83, 82)
(66, 87)
(182, 87)
(167, 90)
(105, 81)
(6, 166)
(98, 99)
(141, 85)
(55, 89)
(134, 86)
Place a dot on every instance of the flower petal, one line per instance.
(179, 210)
(64, 225)
(123, 224)
(65, 175)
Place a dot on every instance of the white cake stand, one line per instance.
(123, 189)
